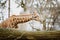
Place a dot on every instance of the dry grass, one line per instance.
(10, 34)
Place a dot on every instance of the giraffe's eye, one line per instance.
(35, 17)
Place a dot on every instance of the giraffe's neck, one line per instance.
(23, 18)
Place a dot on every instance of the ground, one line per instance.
(12, 34)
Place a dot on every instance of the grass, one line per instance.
(11, 34)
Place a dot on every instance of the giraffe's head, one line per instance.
(36, 16)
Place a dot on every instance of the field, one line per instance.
(11, 34)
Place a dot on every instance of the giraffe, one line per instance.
(13, 20)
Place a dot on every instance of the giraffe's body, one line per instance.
(15, 19)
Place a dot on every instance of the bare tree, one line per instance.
(2, 7)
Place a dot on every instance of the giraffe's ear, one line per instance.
(35, 14)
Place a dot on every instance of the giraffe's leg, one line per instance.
(9, 26)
